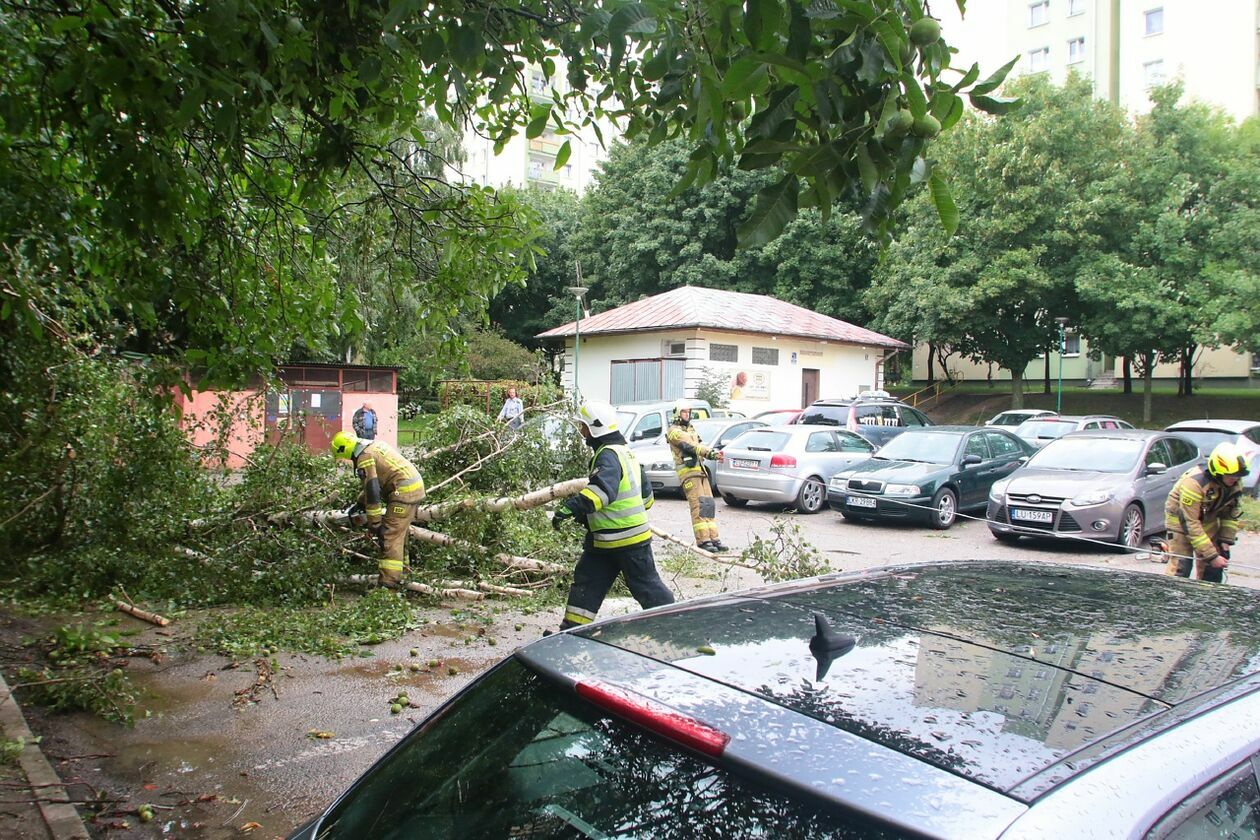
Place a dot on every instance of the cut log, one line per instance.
(511, 591)
(143, 615)
(498, 504)
(424, 588)
(508, 561)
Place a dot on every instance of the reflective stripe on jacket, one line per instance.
(1206, 511)
(684, 443)
(386, 476)
(619, 518)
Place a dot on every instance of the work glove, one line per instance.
(1223, 549)
(561, 514)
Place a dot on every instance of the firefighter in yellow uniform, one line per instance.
(688, 451)
(392, 487)
(1202, 515)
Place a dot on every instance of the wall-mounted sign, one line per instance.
(750, 385)
(793, 357)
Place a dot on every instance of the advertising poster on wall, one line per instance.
(750, 385)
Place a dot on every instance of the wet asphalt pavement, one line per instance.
(215, 769)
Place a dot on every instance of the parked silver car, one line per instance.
(658, 460)
(1108, 485)
(1041, 430)
(1016, 416)
(788, 464)
(1245, 434)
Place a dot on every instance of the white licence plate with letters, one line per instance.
(744, 463)
(861, 501)
(1044, 517)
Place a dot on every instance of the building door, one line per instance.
(809, 386)
(307, 416)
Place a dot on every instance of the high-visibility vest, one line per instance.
(620, 521)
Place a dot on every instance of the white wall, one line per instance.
(844, 369)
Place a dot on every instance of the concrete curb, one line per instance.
(60, 816)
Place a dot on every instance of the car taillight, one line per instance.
(782, 461)
(656, 717)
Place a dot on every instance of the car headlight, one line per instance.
(998, 490)
(901, 489)
(839, 480)
(1094, 497)
(661, 466)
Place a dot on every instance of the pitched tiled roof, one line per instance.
(694, 306)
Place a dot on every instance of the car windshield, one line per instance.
(1045, 429)
(518, 757)
(1206, 439)
(624, 419)
(925, 447)
(760, 441)
(1009, 419)
(708, 429)
(1089, 454)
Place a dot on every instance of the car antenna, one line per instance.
(827, 645)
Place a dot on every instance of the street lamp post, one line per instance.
(578, 293)
(1062, 322)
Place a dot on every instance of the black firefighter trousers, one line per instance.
(597, 570)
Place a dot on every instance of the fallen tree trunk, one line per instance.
(424, 588)
(498, 504)
(508, 561)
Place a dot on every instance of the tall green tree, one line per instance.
(1025, 190)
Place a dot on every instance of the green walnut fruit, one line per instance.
(925, 31)
(927, 126)
(898, 123)
(907, 54)
(395, 709)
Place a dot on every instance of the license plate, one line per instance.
(744, 463)
(861, 501)
(1045, 517)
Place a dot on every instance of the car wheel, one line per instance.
(1132, 527)
(944, 509)
(813, 495)
(1008, 539)
(733, 501)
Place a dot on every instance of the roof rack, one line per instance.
(872, 396)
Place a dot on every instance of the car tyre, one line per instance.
(813, 495)
(733, 501)
(1132, 527)
(944, 509)
(1005, 538)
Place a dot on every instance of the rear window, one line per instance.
(1046, 429)
(825, 415)
(761, 441)
(518, 757)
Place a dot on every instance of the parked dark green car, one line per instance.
(928, 475)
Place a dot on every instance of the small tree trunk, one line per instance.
(1017, 388)
(1047, 388)
(1128, 376)
(931, 362)
(1147, 381)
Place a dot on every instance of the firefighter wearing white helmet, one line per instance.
(392, 487)
(689, 453)
(613, 506)
(1202, 514)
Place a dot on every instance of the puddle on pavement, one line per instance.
(425, 677)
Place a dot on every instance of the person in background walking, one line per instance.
(513, 411)
(1202, 515)
(364, 422)
(613, 506)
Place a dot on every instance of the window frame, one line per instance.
(1189, 807)
(713, 346)
(1075, 7)
(1044, 53)
(773, 352)
(1155, 13)
(1079, 54)
(1044, 6)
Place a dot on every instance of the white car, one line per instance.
(1018, 415)
(658, 460)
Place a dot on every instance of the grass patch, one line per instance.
(1250, 514)
(973, 404)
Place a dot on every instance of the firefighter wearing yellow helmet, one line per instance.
(392, 487)
(689, 452)
(1202, 514)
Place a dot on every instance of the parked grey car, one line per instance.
(788, 464)
(644, 423)
(1108, 485)
(1041, 430)
(1016, 416)
(951, 700)
(1245, 434)
(658, 460)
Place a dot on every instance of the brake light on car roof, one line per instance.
(782, 461)
(655, 717)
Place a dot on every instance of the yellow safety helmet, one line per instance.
(343, 444)
(1227, 460)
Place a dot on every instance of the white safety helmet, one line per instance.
(680, 406)
(599, 417)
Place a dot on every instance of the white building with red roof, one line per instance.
(773, 354)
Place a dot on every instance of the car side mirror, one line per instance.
(1022, 459)
(1156, 468)
(971, 459)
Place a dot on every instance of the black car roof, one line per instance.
(997, 672)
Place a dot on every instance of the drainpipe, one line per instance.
(879, 368)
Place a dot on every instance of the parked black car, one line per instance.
(879, 418)
(928, 475)
(962, 700)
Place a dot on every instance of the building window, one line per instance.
(1153, 73)
(1255, 361)
(1076, 50)
(765, 356)
(1154, 21)
(1072, 344)
(723, 352)
(1076, 7)
(1038, 13)
(1039, 60)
